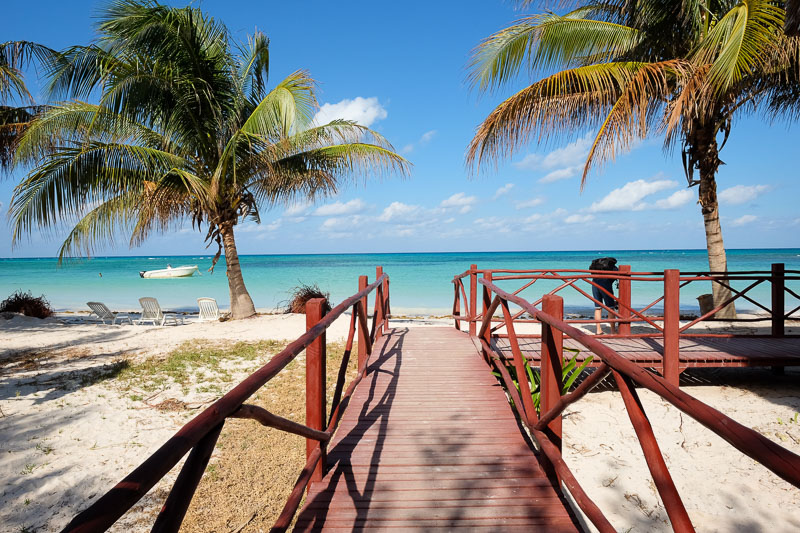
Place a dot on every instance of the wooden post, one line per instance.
(487, 294)
(778, 299)
(362, 335)
(487, 302)
(315, 383)
(386, 310)
(552, 357)
(671, 369)
(379, 305)
(624, 299)
(457, 305)
(473, 299)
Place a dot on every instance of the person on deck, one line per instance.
(601, 296)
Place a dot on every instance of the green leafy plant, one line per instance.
(570, 370)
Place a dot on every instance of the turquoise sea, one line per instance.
(420, 282)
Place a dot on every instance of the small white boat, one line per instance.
(169, 272)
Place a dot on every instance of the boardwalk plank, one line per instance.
(429, 442)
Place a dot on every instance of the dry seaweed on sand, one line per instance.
(26, 304)
(301, 294)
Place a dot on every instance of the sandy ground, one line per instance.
(70, 428)
(723, 490)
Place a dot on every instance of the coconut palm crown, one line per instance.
(17, 107)
(627, 69)
(185, 128)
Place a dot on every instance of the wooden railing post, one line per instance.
(379, 300)
(487, 294)
(386, 309)
(778, 299)
(624, 299)
(670, 369)
(552, 357)
(457, 305)
(315, 383)
(473, 299)
(362, 335)
(487, 303)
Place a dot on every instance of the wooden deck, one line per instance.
(694, 351)
(429, 442)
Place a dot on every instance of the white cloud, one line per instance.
(398, 210)
(425, 139)
(570, 155)
(560, 174)
(675, 200)
(493, 223)
(739, 194)
(339, 208)
(460, 201)
(629, 197)
(296, 210)
(365, 111)
(505, 189)
(427, 136)
(744, 220)
(272, 226)
(533, 202)
(342, 224)
(578, 219)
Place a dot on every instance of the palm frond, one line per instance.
(100, 225)
(737, 44)
(577, 99)
(636, 112)
(548, 41)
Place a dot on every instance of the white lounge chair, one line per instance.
(104, 313)
(151, 312)
(209, 310)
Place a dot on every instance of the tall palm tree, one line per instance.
(626, 69)
(14, 118)
(184, 128)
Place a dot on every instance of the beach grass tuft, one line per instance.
(197, 362)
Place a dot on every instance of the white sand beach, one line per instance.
(72, 427)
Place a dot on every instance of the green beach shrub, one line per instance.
(25, 303)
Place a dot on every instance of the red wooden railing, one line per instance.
(546, 428)
(666, 325)
(199, 436)
(582, 281)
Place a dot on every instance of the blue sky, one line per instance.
(400, 68)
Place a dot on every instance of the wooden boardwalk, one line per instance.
(694, 351)
(429, 442)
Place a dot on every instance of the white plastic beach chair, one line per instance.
(104, 313)
(208, 309)
(151, 312)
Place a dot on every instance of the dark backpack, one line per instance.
(604, 263)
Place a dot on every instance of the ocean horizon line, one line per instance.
(209, 255)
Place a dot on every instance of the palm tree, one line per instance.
(626, 69)
(14, 56)
(184, 128)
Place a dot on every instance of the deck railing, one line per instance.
(199, 436)
(659, 322)
(546, 428)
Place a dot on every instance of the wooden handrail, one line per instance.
(756, 446)
(781, 461)
(627, 314)
(201, 432)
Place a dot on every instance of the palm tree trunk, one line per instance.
(241, 303)
(708, 162)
